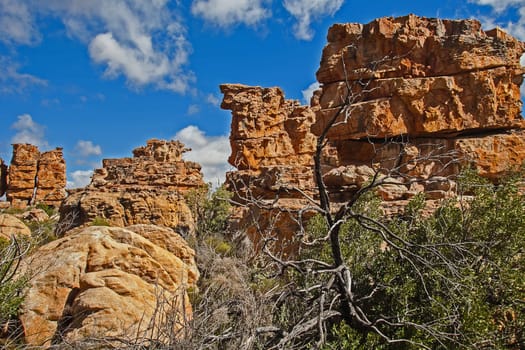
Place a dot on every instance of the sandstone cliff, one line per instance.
(427, 97)
(146, 189)
(413, 98)
(109, 282)
(34, 177)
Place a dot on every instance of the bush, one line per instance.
(477, 303)
(99, 221)
(11, 285)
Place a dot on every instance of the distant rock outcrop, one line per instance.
(34, 177)
(109, 282)
(426, 97)
(146, 189)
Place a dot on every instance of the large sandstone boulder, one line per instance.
(146, 189)
(98, 282)
(10, 225)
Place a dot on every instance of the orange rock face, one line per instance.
(272, 148)
(36, 177)
(146, 189)
(432, 95)
(419, 77)
(412, 99)
(266, 128)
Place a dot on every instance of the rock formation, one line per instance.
(35, 177)
(427, 97)
(412, 98)
(272, 148)
(112, 282)
(146, 189)
(10, 225)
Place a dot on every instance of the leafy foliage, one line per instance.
(460, 284)
(210, 209)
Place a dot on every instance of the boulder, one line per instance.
(127, 283)
(10, 225)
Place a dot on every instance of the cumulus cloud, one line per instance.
(307, 11)
(227, 13)
(211, 152)
(144, 41)
(86, 149)
(79, 178)
(12, 81)
(309, 92)
(29, 131)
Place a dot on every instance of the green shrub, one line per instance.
(99, 221)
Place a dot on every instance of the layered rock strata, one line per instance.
(35, 177)
(272, 148)
(109, 283)
(426, 97)
(148, 188)
(415, 99)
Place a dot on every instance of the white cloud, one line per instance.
(193, 109)
(211, 152)
(28, 131)
(79, 178)
(515, 28)
(144, 41)
(309, 92)
(17, 23)
(227, 13)
(307, 11)
(87, 148)
(499, 5)
(11, 81)
(213, 100)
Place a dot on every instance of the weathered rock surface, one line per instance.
(427, 97)
(10, 225)
(22, 174)
(418, 99)
(272, 148)
(266, 128)
(146, 189)
(36, 177)
(421, 77)
(51, 174)
(109, 282)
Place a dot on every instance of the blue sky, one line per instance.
(100, 77)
